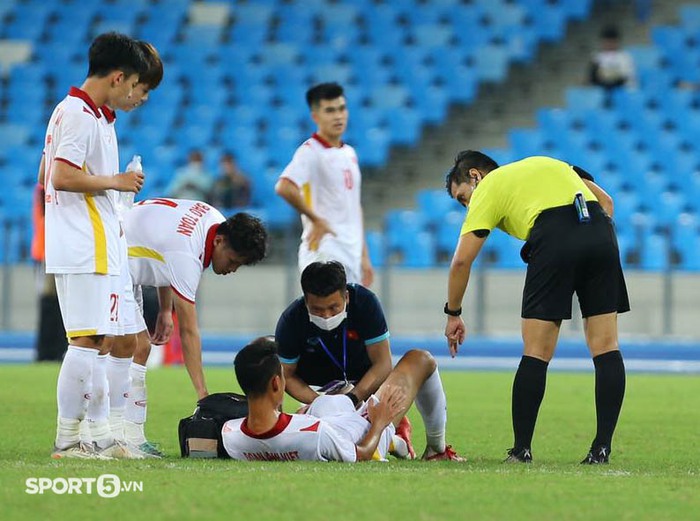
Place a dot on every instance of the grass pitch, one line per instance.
(654, 471)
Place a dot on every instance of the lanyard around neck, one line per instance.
(334, 359)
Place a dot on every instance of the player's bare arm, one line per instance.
(380, 415)
(42, 171)
(603, 197)
(380, 356)
(191, 344)
(467, 250)
(290, 193)
(68, 178)
(296, 387)
(164, 320)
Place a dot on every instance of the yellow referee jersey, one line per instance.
(512, 196)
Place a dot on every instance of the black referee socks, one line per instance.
(528, 391)
(609, 393)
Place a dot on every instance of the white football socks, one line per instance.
(98, 406)
(135, 412)
(118, 377)
(73, 393)
(432, 406)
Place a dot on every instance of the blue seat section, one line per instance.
(240, 83)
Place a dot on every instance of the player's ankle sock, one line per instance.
(72, 393)
(118, 377)
(398, 447)
(609, 393)
(98, 405)
(67, 432)
(135, 412)
(528, 390)
(432, 406)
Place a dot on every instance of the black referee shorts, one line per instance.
(565, 256)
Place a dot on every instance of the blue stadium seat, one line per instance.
(375, 246)
(584, 98)
(491, 63)
(419, 252)
(654, 252)
(400, 226)
(447, 232)
(436, 204)
(432, 103)
(405, 126)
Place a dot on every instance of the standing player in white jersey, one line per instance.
(171, 243)
(82, 182)
(333, 430)
(323, 183)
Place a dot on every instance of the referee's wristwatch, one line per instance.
(452, 312)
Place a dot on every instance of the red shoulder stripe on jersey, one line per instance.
(68, 162)
(311, 428)
(181, 295)
(282, 423)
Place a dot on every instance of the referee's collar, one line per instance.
(325, 143)
(79, 93)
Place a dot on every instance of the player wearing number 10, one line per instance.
(322, 183)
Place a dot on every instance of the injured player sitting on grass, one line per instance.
(332, 429)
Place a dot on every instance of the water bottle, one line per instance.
(126, 199)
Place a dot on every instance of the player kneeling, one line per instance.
(333, 430)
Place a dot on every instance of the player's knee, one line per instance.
(423, 359)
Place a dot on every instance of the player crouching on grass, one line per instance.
(333, 430)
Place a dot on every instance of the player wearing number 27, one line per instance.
(82, 182)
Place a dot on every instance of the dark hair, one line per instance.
(465, 160)
(153, 75)
(256, 364)
(610, 32)
(322, 91)
(116, 52)
(246, 235)
(323, 278)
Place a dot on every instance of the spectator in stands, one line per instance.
(322, 183)
(191, 181)
(570, 247)
(612, 67)
(232, 188)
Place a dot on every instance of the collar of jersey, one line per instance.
(282, 422)
(209, 245)
(325, 143)
(110, 115)
(79, 93)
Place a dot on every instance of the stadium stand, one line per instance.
(236, 73)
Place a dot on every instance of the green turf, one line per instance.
(654, 470)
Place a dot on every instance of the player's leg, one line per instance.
(417, 374)
(118, 364)
(602, 294)
(602, 340)
(85, 301)
(539, 340)
(136, 406)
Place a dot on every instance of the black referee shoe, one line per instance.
(516, 455)
(597, 455)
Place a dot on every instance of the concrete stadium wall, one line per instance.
(251, 301)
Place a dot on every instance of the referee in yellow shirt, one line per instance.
(571, 247)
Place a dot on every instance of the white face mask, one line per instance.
(330, 323)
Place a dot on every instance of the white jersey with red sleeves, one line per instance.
(170, 243)
(82, 229)
(329, 179)
(294, 437)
